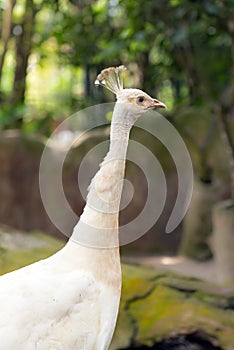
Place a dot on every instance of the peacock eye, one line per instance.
(140, 99)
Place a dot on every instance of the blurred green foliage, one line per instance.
(184, 45)
(179, 50)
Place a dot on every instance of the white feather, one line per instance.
(53, 305)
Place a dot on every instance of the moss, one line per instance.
(154, 305)
(167, 305)
(11, 260)
(164, 315)
(137, 282)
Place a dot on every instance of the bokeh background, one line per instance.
(179, 51)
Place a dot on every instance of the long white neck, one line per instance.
(98, 225)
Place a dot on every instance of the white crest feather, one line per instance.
(111, 78)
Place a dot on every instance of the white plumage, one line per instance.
(55, 304)
(70, 301)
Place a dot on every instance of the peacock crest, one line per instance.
(111, 78)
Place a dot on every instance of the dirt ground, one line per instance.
(182, 265)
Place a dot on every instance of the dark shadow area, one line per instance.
(193, 341)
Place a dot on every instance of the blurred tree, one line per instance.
(210, 80)
(18, 28)
(80, 34)
(5, 33)
(23, 32)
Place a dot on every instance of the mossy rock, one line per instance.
(155, 306)
(158, 306)
(42, 247)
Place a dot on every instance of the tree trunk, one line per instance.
(184, 56)
(198, 223)
(227, 137)
(5, 34)
(223, 212)
(23, 50)
(145, 71)
(87, 81)
(223, 240)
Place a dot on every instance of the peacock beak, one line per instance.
(158, 104)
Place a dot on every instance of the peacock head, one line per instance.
(137, 100)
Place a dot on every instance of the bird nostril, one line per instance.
(159, 104)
